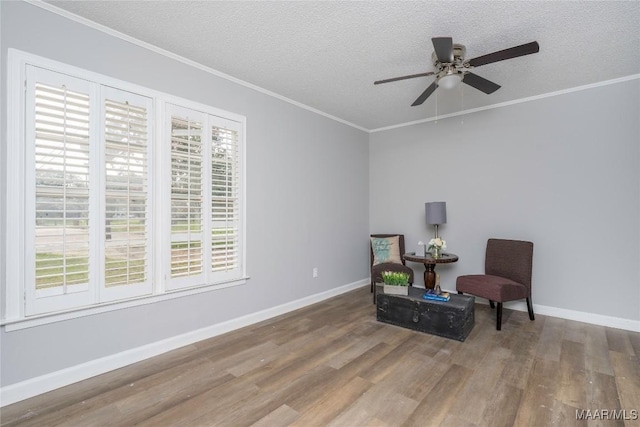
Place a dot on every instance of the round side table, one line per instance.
(430, 265)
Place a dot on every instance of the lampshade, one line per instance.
(449, 81)
(436, 213)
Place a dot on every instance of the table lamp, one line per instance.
(436, 214)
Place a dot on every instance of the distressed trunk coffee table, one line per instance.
(451, 319)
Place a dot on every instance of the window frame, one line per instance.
(15, 316)
(33, 303)
(207, 122)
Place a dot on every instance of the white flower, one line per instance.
(420, 243)
(437, 243)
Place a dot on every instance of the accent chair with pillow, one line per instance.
(386, 255)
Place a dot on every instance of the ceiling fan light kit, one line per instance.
(449, 80)
(451, 68)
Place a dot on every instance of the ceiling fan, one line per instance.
(451, 67)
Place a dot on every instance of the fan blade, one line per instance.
(428, 91)
(412, 76)
(501, 55)
(444, 48)
(480, 83)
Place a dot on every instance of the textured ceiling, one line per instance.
(327, 54)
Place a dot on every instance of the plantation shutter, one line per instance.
(58, 195)
(205, 199)
(187, 194)
(100, 211)
(225, 192)
(126, 161)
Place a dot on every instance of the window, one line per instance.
(204, 212)
(89, 223)
(125, 228)
(58, 226)
(187, 193)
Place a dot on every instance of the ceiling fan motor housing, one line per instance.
(457, 67)
(459, 52)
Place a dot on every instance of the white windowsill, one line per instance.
(43, 319)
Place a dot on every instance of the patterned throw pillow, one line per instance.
(386, 249)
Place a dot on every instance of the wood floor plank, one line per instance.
(396, 357)
(596, 349)
(393, 335)
(336, 379)
(428, 345)
(332, 404)
(602, 394)
(563, 415)
(436, 405)
(536, 404)
(627, 377)
(549, 344)
(572, 382)
(475, 390)
(502, 407)
(250, 410)
(332, 363)
(452, 420)
(618, 340)
(634, 339)
(283, 416)
(576, 332)
(245, 360)
(300, 366)
(380, 403)
(354, 350)
(415, 377)
(518, 367)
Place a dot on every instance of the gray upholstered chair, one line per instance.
(507, 275)
(376, 270)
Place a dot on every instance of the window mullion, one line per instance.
(29, 250)
(96, 198)
(162, 199)
(207, 199)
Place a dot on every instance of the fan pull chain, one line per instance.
(436, 107)
(462, 104)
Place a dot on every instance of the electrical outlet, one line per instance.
(315, 271)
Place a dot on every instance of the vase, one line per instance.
(436, 253)
(396, 290)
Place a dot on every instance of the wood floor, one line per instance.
(333, 364)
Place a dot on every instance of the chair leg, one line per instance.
(372, 285)
(530, 308)
(499, 317)
(491, 304)
(373, 289)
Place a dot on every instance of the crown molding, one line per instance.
(507, 103)
(99, 27)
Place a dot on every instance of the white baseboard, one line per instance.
(579, 316)
(44, 383)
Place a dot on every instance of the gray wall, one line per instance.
(563, 172)
(307, 200)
